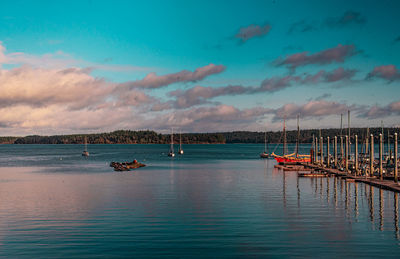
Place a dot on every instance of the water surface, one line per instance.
(214, 201)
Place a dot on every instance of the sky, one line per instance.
(197, 66)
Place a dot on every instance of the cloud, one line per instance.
(348, 18)
(209, 119)
(388, 72)
(337, 54)
(199, 95)
(153, 81)
(302, 26)
(311, 109)
(336, 75)
(322, 97)
(60, 60)
(38, 87)
(382, 111)
(252, 31)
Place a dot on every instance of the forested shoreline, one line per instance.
(152, 137)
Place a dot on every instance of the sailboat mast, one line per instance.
(172, 140)
(85, 144)
(265, 142)
(284, 136)
(341, 135)
(180, 140)
(298, 136)
(348, 124)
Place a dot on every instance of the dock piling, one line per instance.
(356, 153)
(316, 150)
(347, 154)
(328, 160)
(335, 150)
(371, 157)
(380, 157)
(321, 146)
(395, 158)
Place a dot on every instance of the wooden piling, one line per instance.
(316, 150)
(328, 162)
(380, 157)
(356, 153)
(395, 158)
(341, 147)
(347, 154)
(321, 149)
(371, 157)
(335, 150)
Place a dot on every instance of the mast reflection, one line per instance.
(381, 202)
(298, 193)
(335, 192)
(356, 199)
(371, 203)
(327, 189)
(396, 215)
(284, 188)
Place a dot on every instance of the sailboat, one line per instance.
(294, 157)
(265, 153)
(171, 150)
(85, 152)
(180, 144)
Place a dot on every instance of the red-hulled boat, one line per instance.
(294, 157)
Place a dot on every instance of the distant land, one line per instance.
(152, 137)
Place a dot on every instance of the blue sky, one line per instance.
(113, 46)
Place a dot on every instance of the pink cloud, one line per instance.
(337, 54)
(251, 31)
(310, 109)
(388, 72)
(152, 80)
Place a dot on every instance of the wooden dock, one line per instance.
(312, 170)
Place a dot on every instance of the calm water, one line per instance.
(214, 201)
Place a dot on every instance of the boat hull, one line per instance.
(292, 158)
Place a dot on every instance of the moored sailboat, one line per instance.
(85, 151)
(265, 153)
(294, 157)
(171, 150)
(180, 144)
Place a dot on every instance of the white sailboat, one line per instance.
(171, 150)
(265, 153)
(180, 144)
(85, 151)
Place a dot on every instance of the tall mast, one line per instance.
(366, 142)
(341, 124)
(265, 141)
(348, 124)
(284, 136)
(85, 144)
(172, 139)
(341, 135)
(180, 140)
(298, 136)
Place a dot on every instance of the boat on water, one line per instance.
(265, 154)
(180, 144)
(85, 152)
(294, 157)
(171, 150)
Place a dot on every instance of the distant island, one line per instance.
(152, 137)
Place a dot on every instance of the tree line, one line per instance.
(152, 137)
